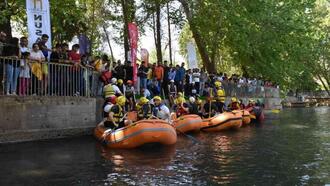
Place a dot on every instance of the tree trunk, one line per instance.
(210, 67)
(169, 32)
(109, 43)
(5, 23)
(158, 29)
(125, 15)
(323, 83)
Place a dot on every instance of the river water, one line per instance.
(289, 148)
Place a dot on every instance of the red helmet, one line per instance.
(111, 99)
(129, 82)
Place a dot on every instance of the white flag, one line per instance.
(192, 59)
(38, 19)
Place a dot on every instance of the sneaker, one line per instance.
(14, 94)
(8, 94)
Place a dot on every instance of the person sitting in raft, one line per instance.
(250, 105)
(120, 85)
(116, 118)
(144, 109)
(160, 110)
(193, 107)
(173, 91)
(220, 101)
(109, 102)
(180, 106)
(209, 108)
(234, 105)
(241, 104)
(130, 95)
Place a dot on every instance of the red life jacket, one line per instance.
(234, 106)
(180, 111)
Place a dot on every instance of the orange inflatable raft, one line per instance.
(188, 123)
(246, 117)
(224, 121)
(137, 134)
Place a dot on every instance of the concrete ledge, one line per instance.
(36, 118)
(32, 135)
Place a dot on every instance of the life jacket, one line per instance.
(108, 91)
(129, 92)
(142, 114)
(172, 89)
(250, 105)
(220, 95)
(119, 115)
(180, 111)
(234, 106)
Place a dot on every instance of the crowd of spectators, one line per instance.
(26, 71)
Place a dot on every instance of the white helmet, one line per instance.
(192, 100)
(114, 80)
(107, 108)
(194, 91)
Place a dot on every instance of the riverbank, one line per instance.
(39, 118)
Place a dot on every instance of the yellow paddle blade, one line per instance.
(276, 111)
(252, 116)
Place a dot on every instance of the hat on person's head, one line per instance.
(114, 80)
(157, 98)
(171, 81)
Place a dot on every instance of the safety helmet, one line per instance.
(171, 81)
(114, 80)
(144, 100)
(199, 101)
(192, 100)
(233, 99)
(180, 100)
(180, 94)
(251, 101)
(121, 100)
(217, 84)
(111, 99)
(194, 91)
(157, 98)
(120, 81)
(129, 82)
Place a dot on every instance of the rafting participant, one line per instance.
(109, 102)
(144, 109)
(160, 110)
(116, 118)
(209, 109)
(180, 106)
(120, 84)
(112, 89)
(193, 106)
(220, 101)
(250, 105)
(130, 95)
(234, 105)
(241, 104)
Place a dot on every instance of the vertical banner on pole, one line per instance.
(145, 56)
(133, 38)
(38, 19)
(192, 59)
(84, 45)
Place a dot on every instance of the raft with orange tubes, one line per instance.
(138, 134)
(224, 121)
(188, 123)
